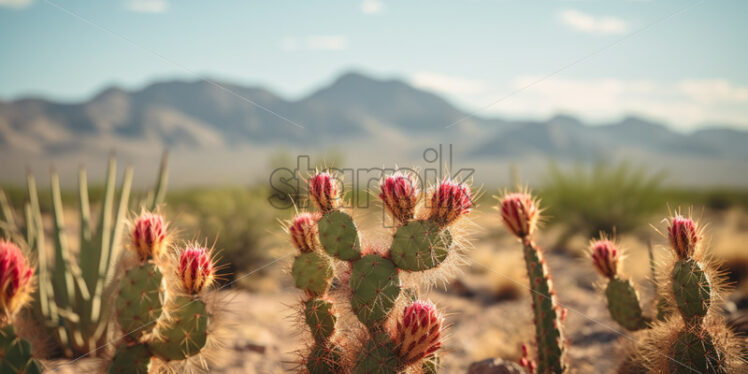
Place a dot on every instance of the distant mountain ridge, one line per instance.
(380, 114)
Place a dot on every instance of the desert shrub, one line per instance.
(604, 197)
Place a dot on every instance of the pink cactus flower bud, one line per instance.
(520, 214)
(525, 361)
(149, 235)
(324, 191)
(304, 232)
(15, 280)
(605, 256)
(418, 332)
(683, 235)
(196, 270)
(448, 202)
(400, 194)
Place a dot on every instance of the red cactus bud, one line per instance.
(400, 194)
(325, 192)
(195, 268)
(304, 232)
(683, 235)
(418, 332)
(519, 213)
(449, 201)
(149, 235)
(605, 256)
(15, 280)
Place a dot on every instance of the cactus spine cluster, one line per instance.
(393, 341)
(161, 315)
(520, 214)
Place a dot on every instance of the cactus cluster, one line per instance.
(400, 333)
(520, 214)
(71, 300)
(161, 315)
(687, 335)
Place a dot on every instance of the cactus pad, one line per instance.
(185, 333)
(693, 353)
(321, 318)
(691, 288)
(375, 285)
(138, 302)
(623, 304)
(135, 359)
(339, 236)
(312, 272)
(15, 354)
(420, 245)
(377, 356)
(325, 358)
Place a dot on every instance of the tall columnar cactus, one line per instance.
(623, 299)
(394, 341)
(71, 300)
(520, 214)
(173, 325)
(16, 283)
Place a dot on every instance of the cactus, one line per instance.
(623, 299)
(373, 277)
(71, 300)
(181, 330)
(520, 214)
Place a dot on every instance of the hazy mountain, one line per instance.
(355, 113)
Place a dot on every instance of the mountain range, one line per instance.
(370, 121)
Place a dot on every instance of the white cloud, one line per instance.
(447, 84)
(684, 104)
(315, 43)
(372, 6)
(15, 4)
(147, 6)
(602, 25)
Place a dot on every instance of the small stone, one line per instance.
(495, 366)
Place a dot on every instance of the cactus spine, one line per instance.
(374, 282)
(520, 213)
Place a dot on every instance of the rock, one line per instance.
(495, 366)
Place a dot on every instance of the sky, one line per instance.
(678, 61)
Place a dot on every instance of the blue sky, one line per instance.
(682, 62)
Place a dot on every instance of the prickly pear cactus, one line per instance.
(623, 304)
(15, 354)
(139, 300)
(695, 352)
(184, 333)
(374, 281)
(135, 359)
(376, 285)
(691, 288)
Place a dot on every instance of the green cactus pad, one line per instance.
(339, 236)
(695, 354)
(321, 318)
(185, 333)
(325, 358)
(312, 272)
(139, 302)
(135, 359)
(691, 288)
(623, 304)
(378, 356)
(375, 285)
(420, 245)
(15, 354)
